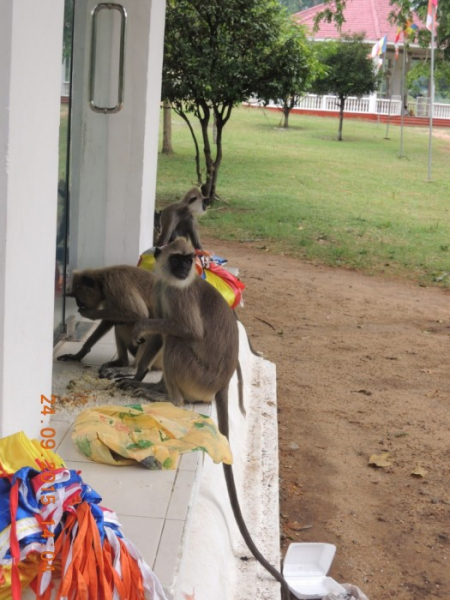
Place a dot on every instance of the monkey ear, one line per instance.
(157, 252)
(88, 281)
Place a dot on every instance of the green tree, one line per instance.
(295, 6)
(68, 28)
(292, 69)
(216, 56)
(402, 10)
(348, 71)
(418, 79)
(334, 10)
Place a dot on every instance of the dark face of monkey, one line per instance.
(181, 264)
(177, 262)
(86, 291)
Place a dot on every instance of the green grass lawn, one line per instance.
(299, 191)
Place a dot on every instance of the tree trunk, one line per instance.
(167, 128)
(178, 108)
(341, 118)
(286, 118)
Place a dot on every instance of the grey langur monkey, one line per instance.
(179, 219)
(198, 335)
(119, 296)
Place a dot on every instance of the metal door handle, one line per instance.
(123, 21)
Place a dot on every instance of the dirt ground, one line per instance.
(362, 369)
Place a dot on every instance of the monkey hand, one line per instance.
(126, 383)
(137, 333)
(108, 372)
(89, 313)
(71, 357)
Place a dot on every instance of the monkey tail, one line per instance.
(231, 486)
(250, 345)
(222, 415)
(240, 379)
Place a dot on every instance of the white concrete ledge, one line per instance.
(182, 520)
(214, 561)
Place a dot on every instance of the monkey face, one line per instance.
(181, 265)
(196, 201)
(175, 263)
(86, 292)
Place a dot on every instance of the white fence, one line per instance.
(373, 105)
(65, 88)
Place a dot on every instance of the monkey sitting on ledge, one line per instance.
(198, 335)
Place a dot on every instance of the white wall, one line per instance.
(115, 155)
(30, 80)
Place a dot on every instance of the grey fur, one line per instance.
(199, 337)
(119, 296)
(178, 219)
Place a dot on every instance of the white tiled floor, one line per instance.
(152, 506)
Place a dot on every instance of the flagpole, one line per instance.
(430, 133)
(383, 74)
(402, 96)
(386, 136)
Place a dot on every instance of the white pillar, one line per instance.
(30, 85)
(115, 155)
(373, 103)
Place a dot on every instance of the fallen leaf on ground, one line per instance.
(380, 460)
(419, 471)
(296, 526)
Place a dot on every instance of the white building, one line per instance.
(113, 162)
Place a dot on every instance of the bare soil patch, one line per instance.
(362, 369)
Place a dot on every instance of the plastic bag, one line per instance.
(209, 268)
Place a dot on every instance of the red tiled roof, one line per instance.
(370, 16)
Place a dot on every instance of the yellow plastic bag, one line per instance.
(221, 287)
(227, 284)
(151, 434)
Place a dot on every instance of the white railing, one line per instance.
(372, 105)
(440, 110)
(386, 106)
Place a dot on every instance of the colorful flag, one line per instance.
(397, 41)
(378, 63)
(431, 14)
(410, 28)
(379, 47)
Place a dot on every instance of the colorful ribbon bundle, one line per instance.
(52, 528)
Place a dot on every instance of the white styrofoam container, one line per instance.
(305, 567)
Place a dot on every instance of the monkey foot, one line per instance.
(148, 391)
(108, 372)
(127, 384)
(69, 357)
